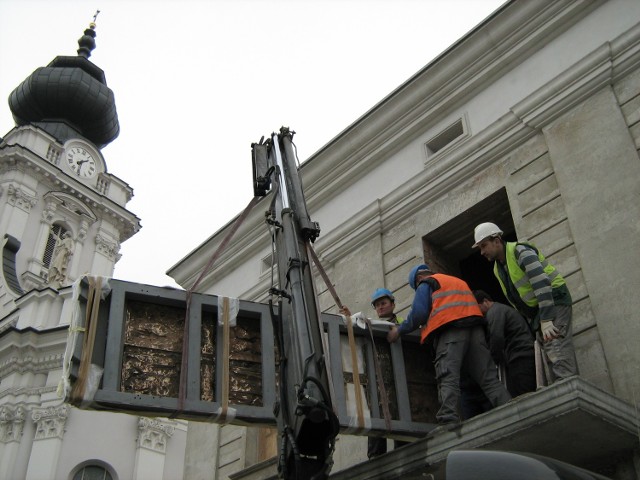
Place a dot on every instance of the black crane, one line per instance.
(306, 421)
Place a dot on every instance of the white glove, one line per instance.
(549, 331)
(360, 319)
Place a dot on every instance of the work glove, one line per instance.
(549, 331)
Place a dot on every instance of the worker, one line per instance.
(510, 342)
(450, 318)
(535, 288)
(384, 303)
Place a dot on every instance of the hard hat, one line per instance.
(380, 293)
(414, 273)
(485, 230)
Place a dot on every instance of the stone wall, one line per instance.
(597, 167)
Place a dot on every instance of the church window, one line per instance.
(92, 472)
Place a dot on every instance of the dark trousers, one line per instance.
(473, 401)
(464, 348)
(521, 375)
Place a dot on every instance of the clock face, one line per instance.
(81, 162)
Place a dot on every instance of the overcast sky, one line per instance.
(196, 82)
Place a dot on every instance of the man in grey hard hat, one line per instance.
(536, 289)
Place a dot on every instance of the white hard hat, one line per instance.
(485, 230)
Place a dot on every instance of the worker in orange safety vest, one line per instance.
(451, 320)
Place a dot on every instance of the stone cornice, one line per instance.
(259, 291)
(251, 235)
(472, 63)
(67, 205)
(567, 90)
(31, 351)
(350, 235)
(603, 66)
(9, 321)
(27, 392)
(37, 295)
(29, 360)
(423, 100)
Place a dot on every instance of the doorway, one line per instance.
(447, 249)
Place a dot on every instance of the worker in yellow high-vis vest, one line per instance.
(537, 290)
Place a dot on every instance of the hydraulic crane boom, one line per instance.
(306, 421)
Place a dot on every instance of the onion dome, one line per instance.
(69, 98)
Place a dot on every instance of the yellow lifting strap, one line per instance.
(93, 303)
(384, 399)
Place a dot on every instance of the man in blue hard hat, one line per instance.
(384, 303)
(450, 318)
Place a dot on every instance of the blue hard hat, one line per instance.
(414, 273)
(380, 293)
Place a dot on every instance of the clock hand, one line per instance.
(79, 163)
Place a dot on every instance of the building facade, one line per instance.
(531, 121)
(63, 215)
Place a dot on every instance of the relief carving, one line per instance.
(18, 197)
(50, 421)
(154, 434)
(11, 423)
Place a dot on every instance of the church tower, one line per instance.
(62, 215)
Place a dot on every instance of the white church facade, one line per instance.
(63, 215)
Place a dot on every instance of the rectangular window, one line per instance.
(445, 137)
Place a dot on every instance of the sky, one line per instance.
(197, 81)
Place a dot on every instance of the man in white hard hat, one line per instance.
(536, 289)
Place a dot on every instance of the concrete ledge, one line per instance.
(265, 470)
(572, 421)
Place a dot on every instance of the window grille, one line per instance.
(55, 235)
(92, 472)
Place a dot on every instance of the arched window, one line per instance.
(92, 472)
(55, 235)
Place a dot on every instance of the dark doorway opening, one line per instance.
(448, 249)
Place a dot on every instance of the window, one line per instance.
(453, 132)
(55, 235)
(92, 472)
(266, 264)
(448, 248)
